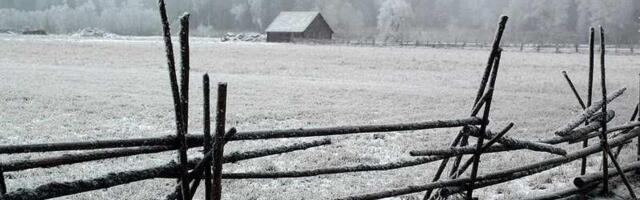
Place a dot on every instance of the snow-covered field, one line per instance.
(57, 89)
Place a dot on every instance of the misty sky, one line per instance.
(446, 20)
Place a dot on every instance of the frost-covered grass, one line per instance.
(60, 89)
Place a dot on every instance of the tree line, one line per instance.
(565, 21)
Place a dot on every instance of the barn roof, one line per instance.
(292, 21)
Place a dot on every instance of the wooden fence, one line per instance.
(591, 123)
(540, 47)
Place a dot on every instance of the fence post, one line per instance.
(638, 141)
(603, 139)
(218, 146)
(207, 136)
(521, 46)
(3, 184)
(585, 143)
(184, 101)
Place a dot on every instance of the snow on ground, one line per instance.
(58, 88)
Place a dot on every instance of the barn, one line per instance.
(288, 26)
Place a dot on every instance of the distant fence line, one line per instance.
(522, 47)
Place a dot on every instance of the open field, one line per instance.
(57, 89)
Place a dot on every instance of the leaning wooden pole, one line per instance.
(483, 127)
(174, 89)
(481, 90)
(603, 138)
(585, 143)
(170, 62)
(218, 147)
(184, 103)
(207, 137)
(573, 89)
(483, 83)
(638, 118)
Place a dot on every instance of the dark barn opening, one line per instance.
(288, 26)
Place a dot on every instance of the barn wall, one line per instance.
(279, 37)
(318, 29)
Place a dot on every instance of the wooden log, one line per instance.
(170, 62)
(603, 137)
(456, 162)
(624, 128)
(494, 138)
(483, 127)
(196, 140)
(200, 168)
(208, 186)
(184, 103)
(494, 50)
(331, 170)
(573, 89)
(523, 144)
(625, 131)
(638, 118)
(87, 145)
(582, 132)
(444, 162)
(454, 151)
(59, 189)
(504, 175)
(98, 155)
(585, 143)
(584, 180)
(3, 184)
(565, 193)
(66, 159)
(312, 132)
(218, 147)
(584, 115)
(208, 158)
(448, 191)
(477, 102)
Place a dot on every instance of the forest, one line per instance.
(565, 21)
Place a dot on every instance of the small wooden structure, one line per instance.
(288, 26)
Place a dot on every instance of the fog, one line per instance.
(537, 21)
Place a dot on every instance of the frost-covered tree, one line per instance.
(394, 19)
